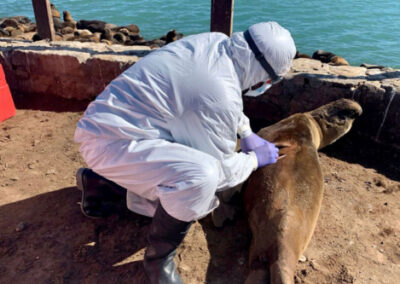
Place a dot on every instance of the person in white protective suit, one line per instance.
(164, 132)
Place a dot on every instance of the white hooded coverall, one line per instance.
(166, 128)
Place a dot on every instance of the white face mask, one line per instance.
(259, 91)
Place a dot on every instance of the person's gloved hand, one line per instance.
(266, 154)
(251, 142)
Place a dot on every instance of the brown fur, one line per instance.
(283, 200)
(67, 16)
(54, 12)
(338, 60)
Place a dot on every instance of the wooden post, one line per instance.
(44, 19)
(222, 16)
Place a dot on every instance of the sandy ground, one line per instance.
(44, 238)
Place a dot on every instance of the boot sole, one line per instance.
(79, 185)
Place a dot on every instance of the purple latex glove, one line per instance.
(266, 154)
(251, 142)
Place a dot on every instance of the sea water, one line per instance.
(362, 31)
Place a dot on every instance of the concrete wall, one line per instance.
(82, 70)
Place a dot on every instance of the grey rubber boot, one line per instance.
(98, 193)
(166, 234)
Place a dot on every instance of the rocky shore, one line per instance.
(67, 29)
(87, 55)
(97, 31)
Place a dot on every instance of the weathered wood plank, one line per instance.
(44, 20)
(222, 16)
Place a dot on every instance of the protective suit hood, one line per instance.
(274, 41)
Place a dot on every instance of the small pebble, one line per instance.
(241, 261)
(51, 172)
(20, 227)
(303, 258)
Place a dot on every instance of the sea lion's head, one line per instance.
(335, 119)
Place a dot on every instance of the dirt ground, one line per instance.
(44, 238)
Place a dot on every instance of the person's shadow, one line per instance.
(46, 239)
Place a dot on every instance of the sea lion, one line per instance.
(107, 34)
(4, 33)
(329, 57)
(338, 60)
(94, 26)
(68, 20)
(119, 38)
(301, 55)
(58, 24)
(9, 23)
(54, 12)
(134, 29)
(125, 31)
(67, 16)
(282, 201)
(67, 30)
(172, 36)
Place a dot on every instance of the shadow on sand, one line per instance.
(57, 244)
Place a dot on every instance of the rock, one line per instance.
(36, 37)
(371, 66)
(303, 258)
(20, 227)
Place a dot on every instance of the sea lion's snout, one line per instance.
(345, 109)
(335, 119)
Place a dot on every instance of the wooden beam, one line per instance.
(222, 16)
(44, 19)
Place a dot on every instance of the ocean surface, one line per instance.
(362, 31)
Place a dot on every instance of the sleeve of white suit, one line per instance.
(244, 128)
(214, 131)
(236, 167)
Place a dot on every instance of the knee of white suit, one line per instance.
(193, 196)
